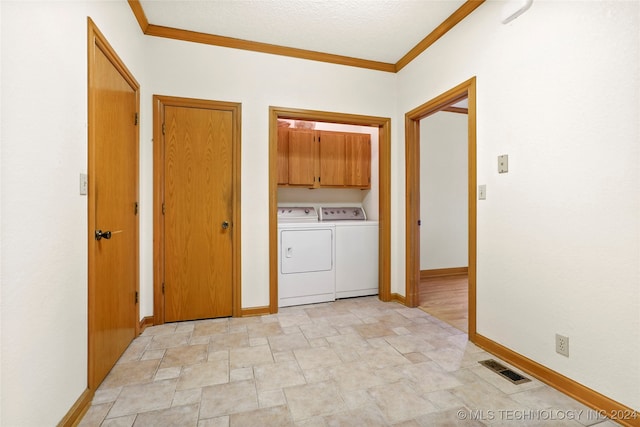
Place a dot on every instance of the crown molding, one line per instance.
(453, 20)
(138, 12)
(222, 41)
(211, 39)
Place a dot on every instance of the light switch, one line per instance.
(84, 184)
(503, 163)
(482, 192)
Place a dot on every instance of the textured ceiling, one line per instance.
(378, 30)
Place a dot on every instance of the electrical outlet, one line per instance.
(503, 163)
(562, 345)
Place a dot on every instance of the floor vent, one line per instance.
(507, 373)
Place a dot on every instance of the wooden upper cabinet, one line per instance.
(321, 158)
(302, 157)
(332, 158)
(358, 160)
(283, 155)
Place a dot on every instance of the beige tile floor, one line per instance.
(354, 362)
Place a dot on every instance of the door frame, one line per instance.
(464, 90)
(159, 102)
(384, 189)
(97, 41)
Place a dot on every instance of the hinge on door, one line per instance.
(135, 208)
(135, 122)
(136, 297)
(318, 179)
(163, 209)
(163, 128)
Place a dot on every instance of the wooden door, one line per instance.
(332, 158)
(283, 155)
(358, 160)
(113, 221)
(302, 157)
(198, 189)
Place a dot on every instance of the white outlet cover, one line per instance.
(503, 163)
(562, 345)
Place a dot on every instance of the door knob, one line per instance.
(225, 225)
(100, 234)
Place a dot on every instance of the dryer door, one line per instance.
(306, 250)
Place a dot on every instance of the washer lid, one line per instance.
(297, 214)
(351, 213)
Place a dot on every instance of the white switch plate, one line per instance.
(482, 192)
(503, 163)
(84, 184)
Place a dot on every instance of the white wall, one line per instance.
(1, 213)
(559, 235)
(259, 81)
(443, 191)
(44, 219)
(1, 138)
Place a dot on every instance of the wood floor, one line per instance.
(446, 298)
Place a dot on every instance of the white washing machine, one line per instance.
(356, 250)
(306, 257)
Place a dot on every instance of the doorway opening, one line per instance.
(443, 287)
(466, 90)
(384, 187)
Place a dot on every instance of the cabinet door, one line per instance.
(283, 155)
(358, 160)
(332, 158)
(302, 156)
